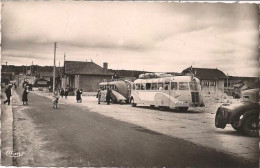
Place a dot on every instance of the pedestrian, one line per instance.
(99, 95)
(78, 96)
(62, 92)
(25, 96)
(8, 93)
(108, 96)
(56, 96)
(66, 93)
(81, 92)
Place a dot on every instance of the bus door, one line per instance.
(167, 90)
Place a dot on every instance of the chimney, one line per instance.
(105, 67)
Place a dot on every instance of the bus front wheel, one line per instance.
(133, 102)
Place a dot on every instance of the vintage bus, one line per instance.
(121, 90)
(179, 92)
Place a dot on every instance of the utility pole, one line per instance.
(26, 71)
(59, 68)
(227, 81)
(55, 46)
(6, 67)
(64, 63)
(31, 72)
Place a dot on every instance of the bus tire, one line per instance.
(133, 104)
(183, 109)
(152, 105)
(162, 108)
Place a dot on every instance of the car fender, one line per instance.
(246, 114)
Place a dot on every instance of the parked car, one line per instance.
(243, 116)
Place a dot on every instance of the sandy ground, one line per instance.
(196, 125)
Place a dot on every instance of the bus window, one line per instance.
(183, 86)
(142, 86)
(148, 86)
(115, 87)
(160, 86)
(105, 87)
(194, 86)
(137, 86)
(166, 86)
(154, 86)
(174, 85)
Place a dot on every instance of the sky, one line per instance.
(150, 36)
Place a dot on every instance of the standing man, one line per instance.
(81, 92)
(99, 95)
(62, 92)
(8, 93)
(108, 96)
(66, 93)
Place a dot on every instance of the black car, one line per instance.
(243, 116)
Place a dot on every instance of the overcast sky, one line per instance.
(151, 36)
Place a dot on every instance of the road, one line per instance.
(73, 136)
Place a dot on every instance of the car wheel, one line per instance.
(220, 119)
(251, 126)
(234, 125)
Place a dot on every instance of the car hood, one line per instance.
(241, 106)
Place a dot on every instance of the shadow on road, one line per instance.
(169, 110)
(231, 132)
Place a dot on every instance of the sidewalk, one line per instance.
(6, 131)
(196, 126)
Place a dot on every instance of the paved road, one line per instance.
(90, 139)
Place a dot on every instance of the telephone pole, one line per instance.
(31, 72)
(55, 46)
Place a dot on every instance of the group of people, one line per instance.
(8, 93)
(65, 93)
(108, 96)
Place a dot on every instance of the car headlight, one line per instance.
(241, 117)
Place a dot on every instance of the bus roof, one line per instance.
(167, 79)
(112, 83)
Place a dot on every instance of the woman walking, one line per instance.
(25, 96)
(78, 96)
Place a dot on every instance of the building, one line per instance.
(212, 80)
(84, 75)
(234, 85)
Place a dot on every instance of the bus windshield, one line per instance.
(194, 86)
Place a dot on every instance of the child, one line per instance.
(56, 96)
